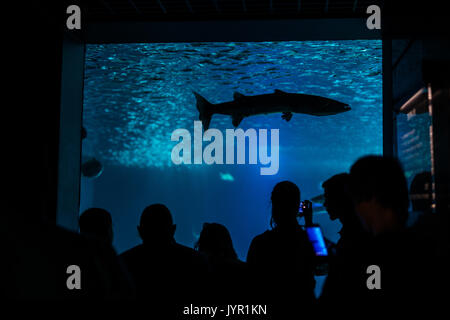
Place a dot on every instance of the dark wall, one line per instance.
(32, 109)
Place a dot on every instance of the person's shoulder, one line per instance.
(65, 236)
(184, 250)
(189, 255)
(130, 253)
(181, 247)
(239, 264)
(264, 236)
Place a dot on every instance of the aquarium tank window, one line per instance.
(136, 95)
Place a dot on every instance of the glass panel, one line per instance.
(136, 95)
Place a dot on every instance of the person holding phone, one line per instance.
(282, 259)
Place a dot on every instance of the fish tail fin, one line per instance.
(204, 109)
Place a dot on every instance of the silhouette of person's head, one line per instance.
(421, 192)
(338, 201)
(97, 222)
(285, 204)
(215, 240)
(156, 225)
(380, 193)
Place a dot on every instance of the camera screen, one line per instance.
(316, 238)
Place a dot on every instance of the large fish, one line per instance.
(287, 103)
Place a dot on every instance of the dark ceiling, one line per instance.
(145, 10)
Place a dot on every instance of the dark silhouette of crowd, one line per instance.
(371, 202)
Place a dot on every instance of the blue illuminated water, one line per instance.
(135, 95)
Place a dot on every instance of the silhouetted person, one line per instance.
(97, 222)
(228, 273)
(380, 194)
(339, 205)
(41, 255)
(282, 259)
(163, 270)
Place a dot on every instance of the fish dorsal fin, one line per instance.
(237, 118)
(279, 91)
(238, 95)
